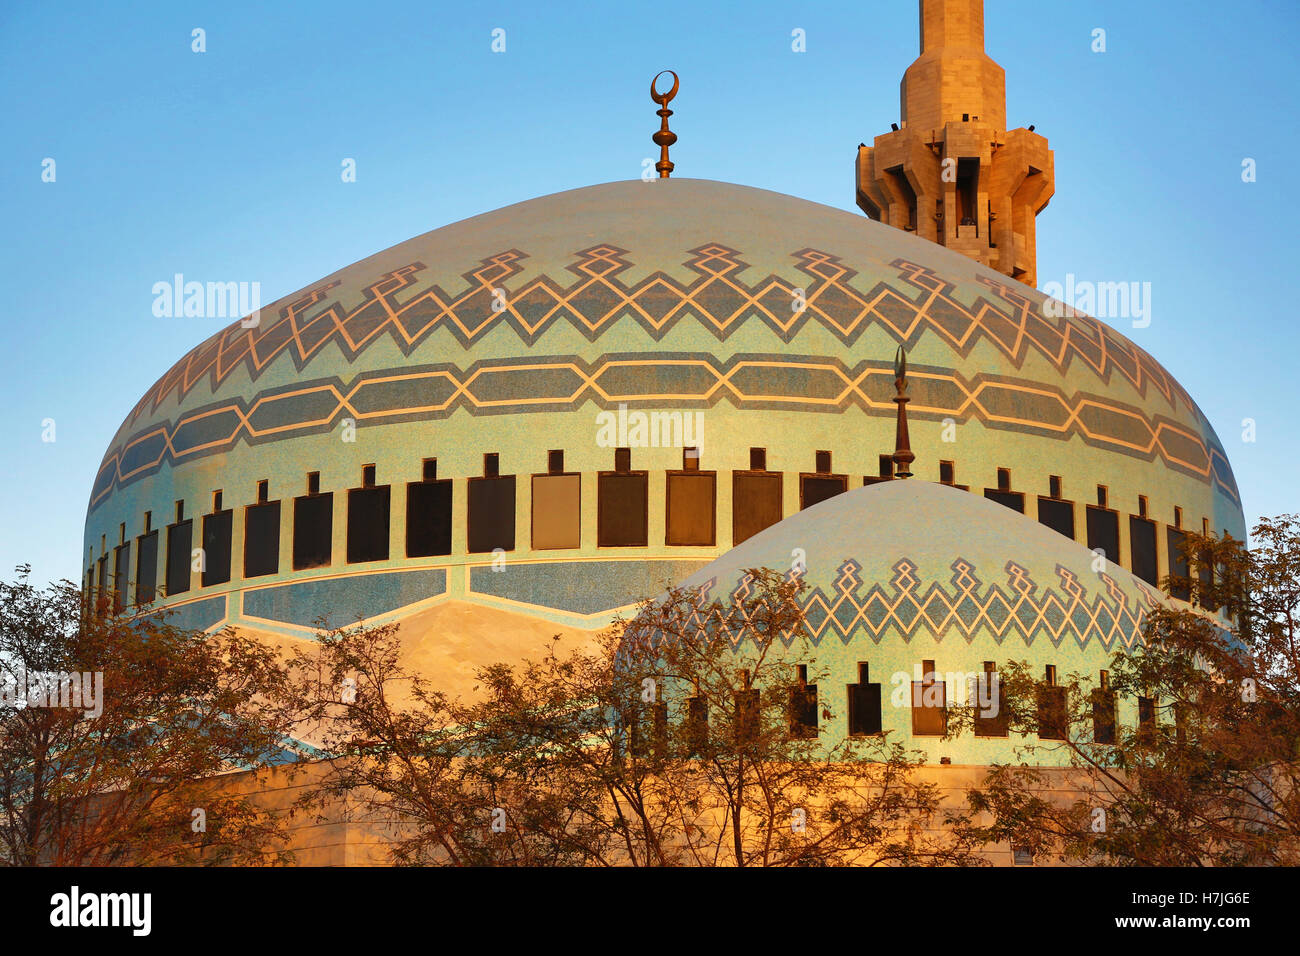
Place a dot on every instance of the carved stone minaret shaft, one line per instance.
(952, 173)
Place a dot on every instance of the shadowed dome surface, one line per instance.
(680, 291)
(921, 564)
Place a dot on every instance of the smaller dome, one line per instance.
(923, 561)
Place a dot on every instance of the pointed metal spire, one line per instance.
(903, 456)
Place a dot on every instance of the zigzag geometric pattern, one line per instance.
(719, 300)
(906, 610)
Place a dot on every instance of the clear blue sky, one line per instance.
(225, 165)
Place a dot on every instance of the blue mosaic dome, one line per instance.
(767, 321)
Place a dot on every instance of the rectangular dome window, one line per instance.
(180, 539)
(929, 704)
(218, 528)
(864, 705)
(262, 535)
(1142, 543)
(557, 506)
(313, 527)
(428, 514)
(1103, 531)
(1176, 542)
(755, 500)
(491, 510)
(1057, 514)
(146, 567)
(691, 506)
(368, 519)
(622, 504)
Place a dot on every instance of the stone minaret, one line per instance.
(953, 173)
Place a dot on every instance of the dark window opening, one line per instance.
(1176, 543)
(1053, 721)
(491, 513)
(803, 706)
(990, 702)
(1142, 543)
(1103, 712)
(1004, 479)
(1054, 486)
(1102, 496)
(758, 459)
(622, 506)
(180, 540)
(313, 483)
(555, 462)
(649, 724)
(746, 715)
(491, 465)
(756, 503)
(1142, 506)
(313, 529)
(823, 462)
(864, 705)
(814, 489)
(1103, 532)
(1057, 515)
(1178, 517)
(218, 529)
(121, 576)
(262, 539)
(1015, 500)
(968, 170)
(369, 509)
(947, 472)
(146, 567)
(428, 514)
(697, 725)
(1146, 714)
(622, 460)
(263, 491)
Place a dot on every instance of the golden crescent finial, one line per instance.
(664, 137)
(663, 98)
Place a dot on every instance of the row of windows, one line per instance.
(929, 710)
(622, 519)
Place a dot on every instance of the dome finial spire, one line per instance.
(903, 456)
(665, 137)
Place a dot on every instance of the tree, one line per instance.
(689, 736)
(1207, 774)
(115, 732)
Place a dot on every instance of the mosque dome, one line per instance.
(500, 411)
(907, 578)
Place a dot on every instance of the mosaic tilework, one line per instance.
(342, 599)
(701, 380)
(399, 305)
(908, 609)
